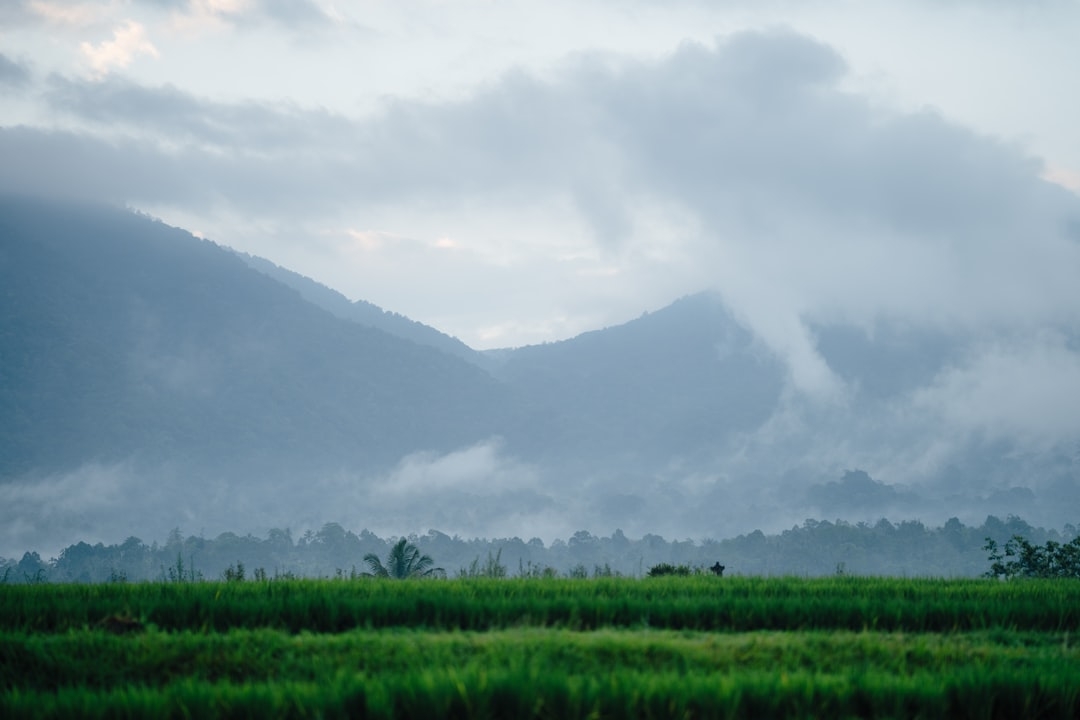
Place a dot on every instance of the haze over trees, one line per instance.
(150, 379)
(812, 548)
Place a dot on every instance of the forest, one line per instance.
(811, 549)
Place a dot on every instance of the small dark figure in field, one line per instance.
(717, 570)
(121, 625)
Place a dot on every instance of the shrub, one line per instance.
(1019, 558)
(668, 569)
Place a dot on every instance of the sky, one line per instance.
(520, 172)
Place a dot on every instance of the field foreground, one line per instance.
(662, 647)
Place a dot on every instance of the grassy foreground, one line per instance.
(664, 647)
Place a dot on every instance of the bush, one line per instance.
(1019, 558)
(668, 569)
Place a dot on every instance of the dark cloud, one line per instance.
(754, 123)
(16, 12)
(78, 166)
(760, 118)
(128, 170)
(13, 75)
(179, 117)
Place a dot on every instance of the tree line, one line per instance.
(814, 548)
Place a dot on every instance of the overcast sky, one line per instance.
(516, 172)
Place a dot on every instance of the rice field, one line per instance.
(697, 647)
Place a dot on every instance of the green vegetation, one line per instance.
(669, 569)
(1021, 558)
(492, 568)
(699, 603)
(404, 561)
(815, 548)
(674, 646)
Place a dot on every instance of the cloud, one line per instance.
(203, 15)
(1064, 178)
(170, 114)
(129, 40)
(476, 469)
(74, 165)
(744, 165)
(13, 75)
(184, 15)
(48, 513)
(1022, 390)
(477, 491)
(294, 12)
(71, 13)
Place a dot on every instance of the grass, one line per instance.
(664, 647)
(695, 603)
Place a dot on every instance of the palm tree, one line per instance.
(403, 561)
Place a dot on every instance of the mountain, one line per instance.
(671, 384)
(150, 379)
(122, 337)
(365, 313)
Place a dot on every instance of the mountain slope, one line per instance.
(122, 337)
(670, 384)
(149, 379)
(365, 313)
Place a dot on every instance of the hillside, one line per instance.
(670, 384)
(365, 313)
(149, 380)
(122, 337)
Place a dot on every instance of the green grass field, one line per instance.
(661, 647)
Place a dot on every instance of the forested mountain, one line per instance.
(149, 379)
(121, 337)
(365, 313)
(670, 384)
(667, 384)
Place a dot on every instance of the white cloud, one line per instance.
(64, 508)
(1065, 178)
(480, 469)
(129, 40)
(1022, 390)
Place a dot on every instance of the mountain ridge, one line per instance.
(366, 313)
(169, 337)
(148, 377)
